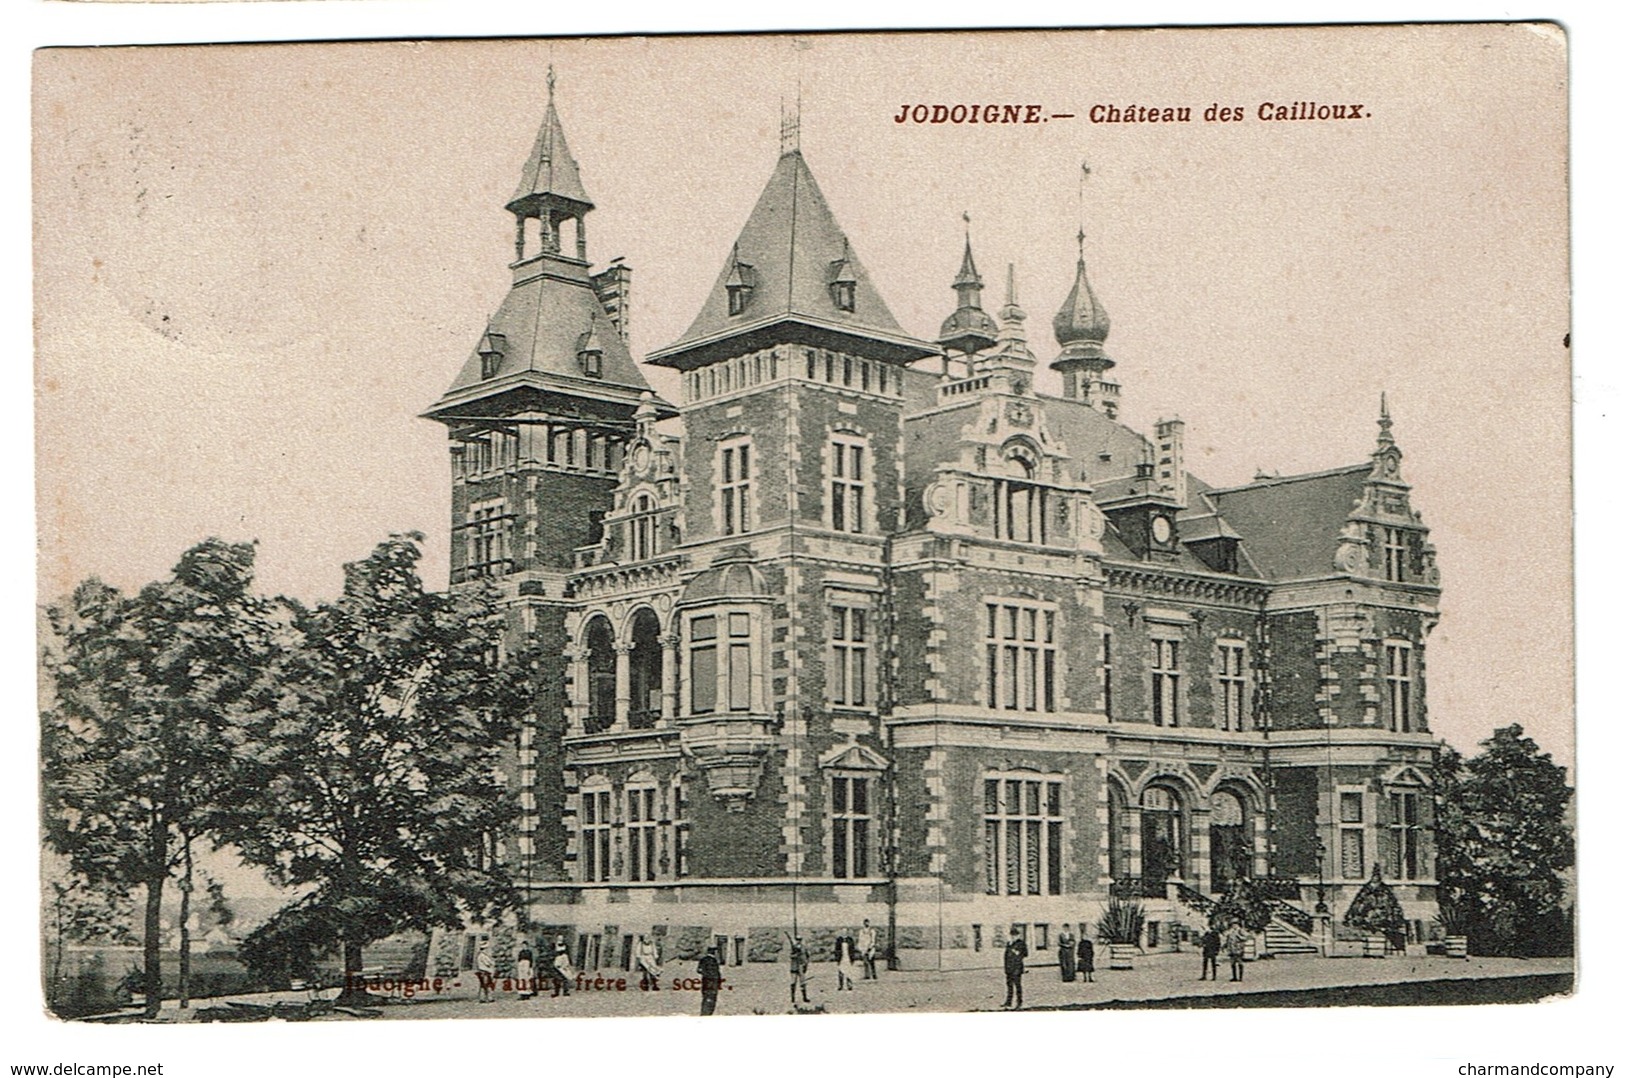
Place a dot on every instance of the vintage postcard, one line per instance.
(805, 524)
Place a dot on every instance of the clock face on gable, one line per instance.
(1161, 529)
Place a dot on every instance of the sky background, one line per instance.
(256, 265)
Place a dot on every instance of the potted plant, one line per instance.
(1376, 911)
(1453, 920)
(1119, 928)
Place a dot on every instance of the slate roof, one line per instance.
(793, 247)
(1289, 525)
(551, 169)
(544, 320)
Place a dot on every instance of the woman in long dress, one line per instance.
(1069, 956)
(845, 959)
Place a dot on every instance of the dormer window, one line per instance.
(590, 352)
(741, 283)
(492, 346)
(843, 284)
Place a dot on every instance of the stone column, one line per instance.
(575, 709)
(623, 686)
(670, 656)
(1199, 872)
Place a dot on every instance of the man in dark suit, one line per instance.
(1015, 964)
(710, 981)
(1210, 953)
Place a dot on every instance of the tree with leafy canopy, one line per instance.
(133, 737)
(1503, 844)
(1376, 909)
(371, 765)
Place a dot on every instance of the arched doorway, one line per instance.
(600, 639)
(645, 661)
(1229, 838)
(1162, 836)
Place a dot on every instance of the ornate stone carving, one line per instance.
(730, 751)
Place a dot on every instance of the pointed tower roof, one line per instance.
(532, 351)
(778, 283)
(550, 171)
(1081, 325)
(969, 329)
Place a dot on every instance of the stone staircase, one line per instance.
(1290, 932)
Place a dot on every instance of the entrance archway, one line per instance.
(1229, 838)
(1162, 836)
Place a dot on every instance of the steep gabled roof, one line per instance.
(1289, 525)
(789, 252)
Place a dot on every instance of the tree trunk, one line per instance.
(186, 929)
(354, 992)
(152, 963)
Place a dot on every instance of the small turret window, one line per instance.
(844, 293)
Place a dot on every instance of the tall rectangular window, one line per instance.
(1398, 677)
(1232, 702)
(849, 668)
(1394, 552)
(739, 672)
(848, 471)
(595, 825)
(642, 838)
(1405, 829)
(1165, 682)
(702, 664)
(1106, 671)
(1351, 833)
(487, 549)
(735, 487)
(851, 824)
(1020, 644)
(1021, 835)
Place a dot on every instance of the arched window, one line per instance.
(1230, 840)
(642, 539)
(645, 661)
(1018, 502)
(1162, 836)
(600, 639)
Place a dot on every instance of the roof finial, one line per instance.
(550, 80)
(1083, 174)
(790, 125)
(1385, 424)
(1010, 285)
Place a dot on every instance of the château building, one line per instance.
(864, 626)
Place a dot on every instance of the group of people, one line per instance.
(554, 970)
(850, 951)
(1077, 958)
(1234, 945)
(1075, 952)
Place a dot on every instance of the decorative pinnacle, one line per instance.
(550, 80)
(790, 125)
(1385, 425)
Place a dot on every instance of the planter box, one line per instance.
(1455, 946)
(1120, 955)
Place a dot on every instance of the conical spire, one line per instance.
(1081, 325)
(551, 173)
(969, 329)
(792, 274)
(1012, 320)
